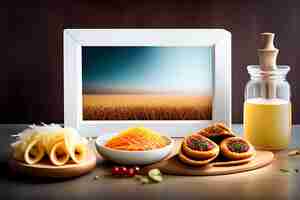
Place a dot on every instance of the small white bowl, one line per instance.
(132, 157)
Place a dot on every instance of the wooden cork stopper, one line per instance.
(268, 53)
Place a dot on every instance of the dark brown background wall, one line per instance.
(31, 57)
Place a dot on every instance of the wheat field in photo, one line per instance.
(146, 107)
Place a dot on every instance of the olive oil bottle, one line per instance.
(267, 106)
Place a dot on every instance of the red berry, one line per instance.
(131, 172)
(123, 170)
(115, 171)
(136, 169)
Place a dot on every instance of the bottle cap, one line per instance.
(268, 53)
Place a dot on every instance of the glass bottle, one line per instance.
(267, 106)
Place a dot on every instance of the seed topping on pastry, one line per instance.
(238, 146)
(198, 143)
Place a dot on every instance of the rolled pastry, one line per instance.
(80, 153)
(60, 144)
(216, 132)
(76, 146)
(30, 150)
(58, 154)
(34, 152)
(199, 147)
(236, 148)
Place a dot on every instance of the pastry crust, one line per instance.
(197, 163)
(199, 154)
(59, 154)
(216, 132)
(34, 152)
(247, 152)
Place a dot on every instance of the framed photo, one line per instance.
(174, 81)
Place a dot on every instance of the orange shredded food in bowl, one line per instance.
(137, 139)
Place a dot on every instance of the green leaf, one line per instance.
(155, 175)
(284, 170)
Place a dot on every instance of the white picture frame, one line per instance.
(74, 39)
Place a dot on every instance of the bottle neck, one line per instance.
(270, 84)
(279, 74)
(264, 77)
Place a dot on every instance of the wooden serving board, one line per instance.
(47, 170)
(175, 167)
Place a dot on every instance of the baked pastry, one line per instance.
(199, 147)
(52, 142)
(216, 132)
(196, 150)
(31, 152)
(197, 163)
(236, 148)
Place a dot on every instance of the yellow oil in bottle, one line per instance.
(267, 123)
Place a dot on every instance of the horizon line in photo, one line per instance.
(147, 70)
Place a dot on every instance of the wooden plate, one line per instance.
(175, 167)
(47, 170)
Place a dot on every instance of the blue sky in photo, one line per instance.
(147, 70)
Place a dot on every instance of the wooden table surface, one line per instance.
(265, 183)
